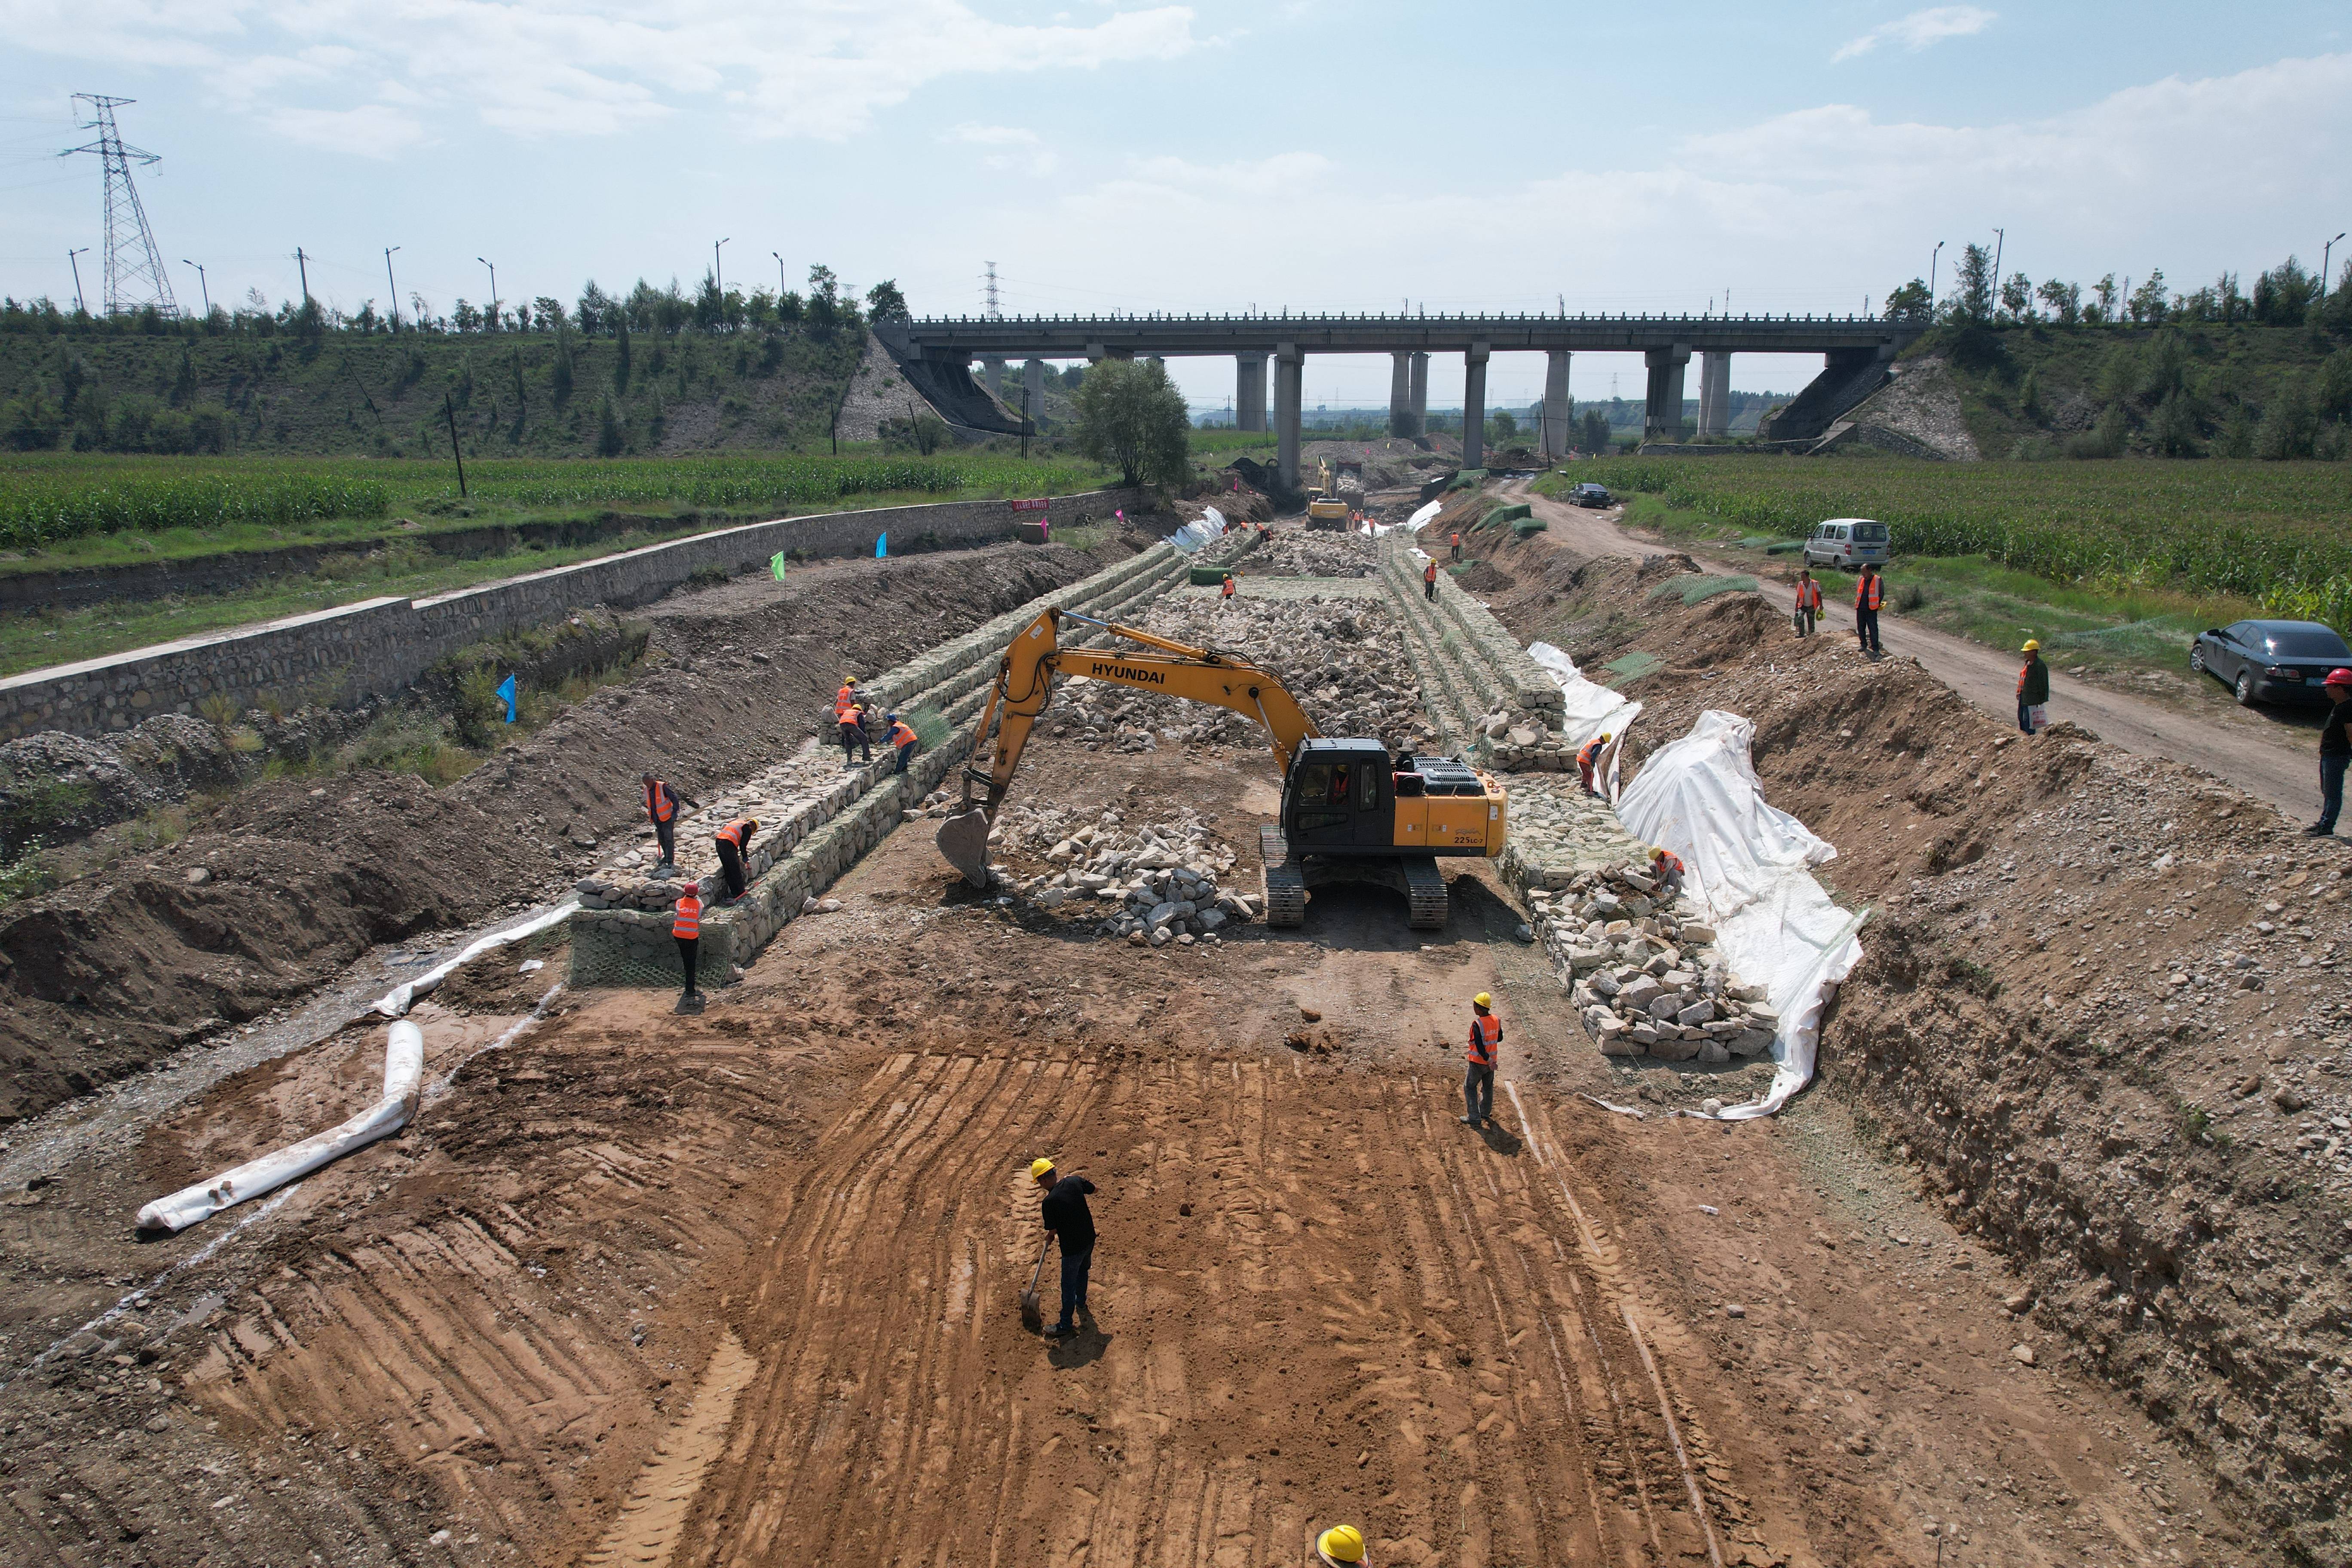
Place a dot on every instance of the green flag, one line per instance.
(776, 562)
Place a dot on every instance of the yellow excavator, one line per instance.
(1350, 813)
(1325, 511)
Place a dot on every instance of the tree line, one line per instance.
(2285, 296)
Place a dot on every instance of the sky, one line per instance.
(1299, 155)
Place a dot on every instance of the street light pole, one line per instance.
(395, 287)
(1933, 256)
(2000, 239)
(494, 291)
(201, 287)
(2324, 252)
(780, 277)
(719, 276)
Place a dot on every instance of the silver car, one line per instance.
(1850, 543)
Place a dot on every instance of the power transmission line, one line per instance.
(135, 279)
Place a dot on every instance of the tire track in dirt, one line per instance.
(654, 1517)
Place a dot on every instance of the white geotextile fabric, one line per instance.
(1192, 535)
(1748, 864)
(1590, 708)
(394, 1003)
(403, 1070)
(1414, 524)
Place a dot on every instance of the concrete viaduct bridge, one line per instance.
(1857, 349)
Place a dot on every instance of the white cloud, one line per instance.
(1921, 29)
(1018, 148)
(370, 130)
(817, 68)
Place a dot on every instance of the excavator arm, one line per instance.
(1024, 681)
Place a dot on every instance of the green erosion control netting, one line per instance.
(1693, 588)
(931, 727)
(608, 968)
(1512, 512)
(1633, 667)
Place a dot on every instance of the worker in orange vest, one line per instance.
(1809, 603)
(686, 925)
(661, 804)
(1868, 594)
(1587, 761)
(734, 842)
(1668, 867)
(1485, 1049)
(1429, 578)
(903, 739)
(849, 718)
(1457, 545)
(1225, 593)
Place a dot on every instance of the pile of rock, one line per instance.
(1158, 879)
(1293, 553)
(1648, 980)
(1520, 738)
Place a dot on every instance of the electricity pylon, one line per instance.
(135, 278)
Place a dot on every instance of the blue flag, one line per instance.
(881, 547)
(507, 691)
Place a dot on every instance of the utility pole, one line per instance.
(202, 286)
(302, 264)
(455, 450)
(1024, 419)
(80, 303)
(135, 278)
(993, 314)
(392, 285)
(494, 292)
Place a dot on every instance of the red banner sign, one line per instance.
(1040, 504)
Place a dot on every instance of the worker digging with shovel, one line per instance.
(1063, 1208)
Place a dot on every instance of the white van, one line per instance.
(1847, 542)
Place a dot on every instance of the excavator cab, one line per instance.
(1340, 798)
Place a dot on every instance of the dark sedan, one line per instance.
(2271, 661)
(1589, 494)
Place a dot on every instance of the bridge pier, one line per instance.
(1661, 403)
(1288, 361)
(1474, 405)
(994, 370)
(1249, 391)
(1714, 394)
(1555, 404)
(1400, 393)
(1419, 395)
(1032, 381)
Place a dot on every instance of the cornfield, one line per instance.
(2269, 532)
(49, 502)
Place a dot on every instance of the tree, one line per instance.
(610, 438)
(2064, 300)
(2336, 385)
(2017, 298)
(1132, 419)
(823, 298)
(2104, 311)
(2289, 424)
(2283, 294)
(1911, 302)
(1501, 428)
(2148, 300)
(2174, 430)
(599, 312)
(1973, 286)
(620, 355)
(1595, 439)
(884, 303)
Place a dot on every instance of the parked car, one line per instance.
(1589, 494)
(2271, 661)
(1846, 542)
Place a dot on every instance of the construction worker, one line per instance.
(1457, 545)
(903, 739)
(845, 698)
(1225, 593)
(854, 739)
(1429, 578)
(1809, 603)
(1342, 1546)
(734, 842)
(1486, 1046)
(1061, 1206)
(2032, 686)
(686, 925)
(1667, 867)
(2335, 752)
(1587, 761)
(661, 804)
(1868, 594)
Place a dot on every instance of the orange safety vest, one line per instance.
(1486, 1036)
(1868, 592)
(2023, 673)
(1808, 595)
(1457, 538)
(737, 831)
(661, 800)
(1429, 572)
(900, 735)
(686, 922)
(1669, 864)
(845, 702)
(1588, 757)
(1229, 587)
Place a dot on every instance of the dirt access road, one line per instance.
(2246, 749)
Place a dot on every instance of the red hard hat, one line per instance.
(2339, 678)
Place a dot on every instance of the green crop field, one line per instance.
(2275, 535)
(46, 499)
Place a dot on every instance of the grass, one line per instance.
(1225, 445)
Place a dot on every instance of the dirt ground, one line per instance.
(740, 1286)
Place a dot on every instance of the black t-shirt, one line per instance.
(2335, 735)
(1066, 1214)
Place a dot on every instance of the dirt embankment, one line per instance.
(292, 879)
(2099, 1014)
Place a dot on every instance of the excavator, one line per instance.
(1350, 813)
(1325, 511)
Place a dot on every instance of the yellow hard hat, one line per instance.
(849, 680)
(1341, 1543)
(1040, 1168)
(1604, 735)
(1482, 1000)
(2033, 645)
(1658, 853)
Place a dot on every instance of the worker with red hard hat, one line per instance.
(2335, 752)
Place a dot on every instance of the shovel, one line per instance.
(1032, 1317)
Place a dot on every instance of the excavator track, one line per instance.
(1286, 885)
(1424, 888)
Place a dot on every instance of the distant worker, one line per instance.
(1457, 545)
(1225, 593)
(2033, 689)
(1429, 578)
(1063, 1208)
(847, 698)
(1342, 1546)
(686, 925)
(734, 842)
(851, 719)
(1486, 1046)
(2335, 752)
(661, 804)
(1587, 761)
(1809, 603)
(1868, 594)
(1667, 867)
(903, 740)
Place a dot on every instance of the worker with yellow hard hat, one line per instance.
(1342, 1546)
(1061, 1206)
(1587, 760)
(1667, 867)
(1485, 1049)
(2032, 688)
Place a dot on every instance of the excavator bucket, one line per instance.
(963, 840)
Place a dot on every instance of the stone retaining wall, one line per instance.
(379, 646)
(1471, 666)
